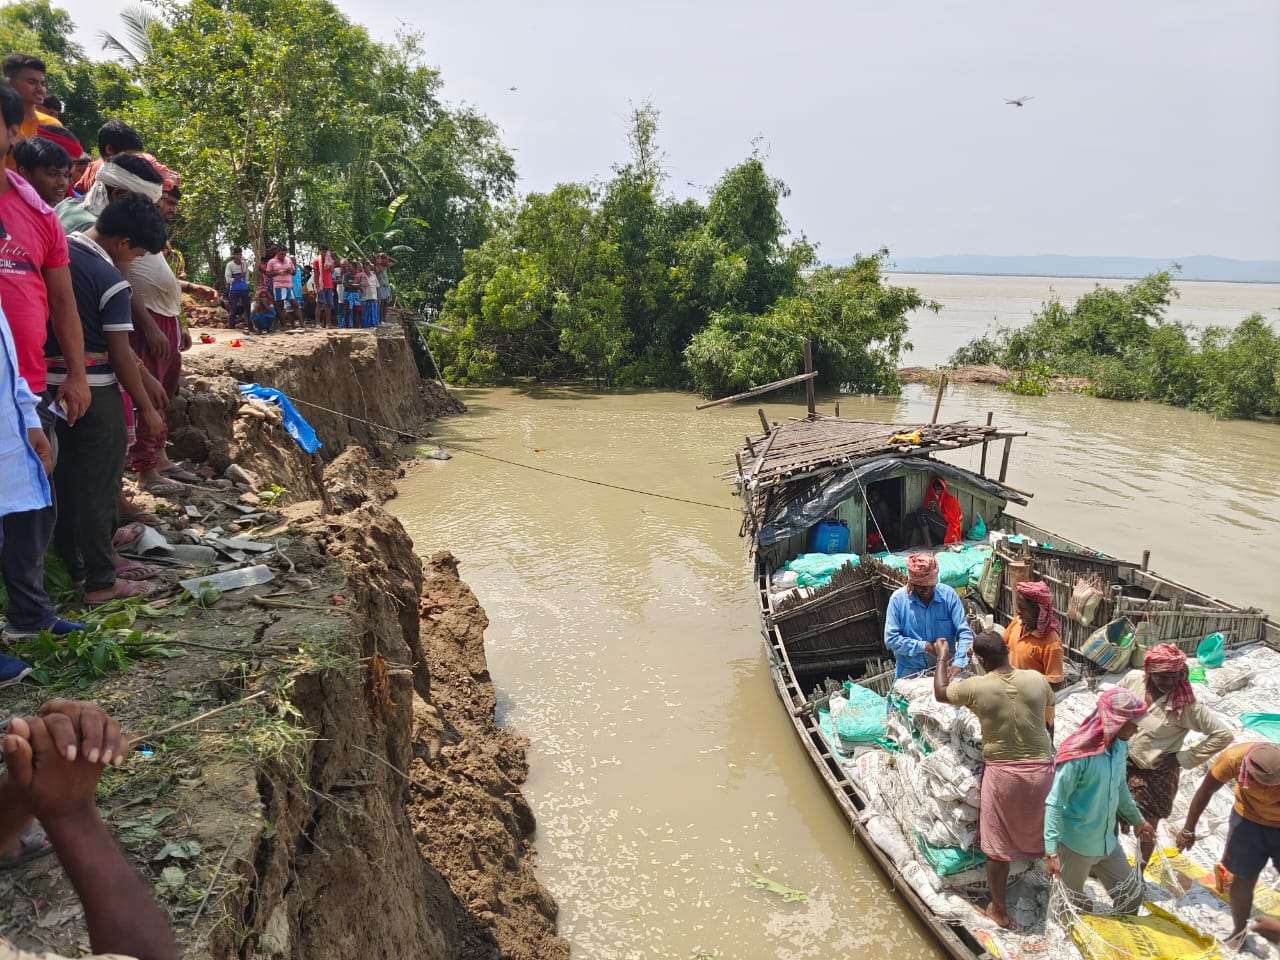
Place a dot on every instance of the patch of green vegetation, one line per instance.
(789, 894)
(1029, 383)
(1121, 342)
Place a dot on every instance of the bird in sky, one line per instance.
(512, 89)
(1018, 101)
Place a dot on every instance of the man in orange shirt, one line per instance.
(1253, 837)
(1033, 638)
(25, 74)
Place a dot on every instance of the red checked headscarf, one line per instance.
(1114, 709)
(1166, 658)
(922, 570)
(1038, 591)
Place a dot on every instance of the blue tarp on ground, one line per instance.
(956, 568)
(298, 428)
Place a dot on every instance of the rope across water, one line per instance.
(515, 463)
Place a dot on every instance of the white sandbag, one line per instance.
(885, 834)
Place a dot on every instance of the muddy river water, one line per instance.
(623, 643)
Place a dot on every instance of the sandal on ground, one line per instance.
(175, 472)
(121, 590)
(128, 534)
(135, 571)
(32, 844)
(164, 487)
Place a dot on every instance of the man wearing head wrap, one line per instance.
(118, 176)
(1015, 711)
(1158, 756)
(1033, 637)
(920, 614)
(1253, 838)
(1089, 792)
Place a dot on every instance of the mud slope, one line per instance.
(322, 776)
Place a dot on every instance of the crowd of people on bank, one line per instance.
(92, 330)
(327, 292)
(1121, 767)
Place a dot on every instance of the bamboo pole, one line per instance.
(937, 403)
(776, 385)
(1004, 459)
(808, 384)
(982, 466)
(764, 422)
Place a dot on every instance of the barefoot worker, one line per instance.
(1253, 838)
(1157, 757)
(1089, 791)
(1015, 710)
(921, 613)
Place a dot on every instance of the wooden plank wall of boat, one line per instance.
(805, 448)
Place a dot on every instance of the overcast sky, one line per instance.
(1155, 128)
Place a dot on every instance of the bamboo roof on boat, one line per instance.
(812, 447)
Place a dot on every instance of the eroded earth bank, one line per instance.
(319, 772)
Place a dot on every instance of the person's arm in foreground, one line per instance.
(65, 320)
(964, 635)
(91, 734)
(1064, 782)
(897, 641)
(57, 786)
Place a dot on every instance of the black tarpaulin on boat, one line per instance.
(825, 495)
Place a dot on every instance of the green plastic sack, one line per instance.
(1196, 675)
(1210, 652)
(1267, 724)
(978, 531)
(948, 860)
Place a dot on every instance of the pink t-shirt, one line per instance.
(33, 242)
(281, 271)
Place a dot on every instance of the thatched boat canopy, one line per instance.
(794, 475)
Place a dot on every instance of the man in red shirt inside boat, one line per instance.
(939, 517)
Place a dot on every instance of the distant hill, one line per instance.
(1052, 265)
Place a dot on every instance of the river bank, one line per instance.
(320, 772)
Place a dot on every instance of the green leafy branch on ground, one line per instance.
(106, 646)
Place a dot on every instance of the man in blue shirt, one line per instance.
(921, 613)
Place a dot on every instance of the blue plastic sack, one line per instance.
(297, 427)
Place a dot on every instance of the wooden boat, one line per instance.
(807, 470)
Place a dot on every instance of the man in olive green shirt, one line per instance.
(1015, 711)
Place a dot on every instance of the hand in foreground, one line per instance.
(202, 291)
(40, 444)
(51, 787)
(74, 397)
(99, 737)
(941, 648)
(1053, 866)
(1185, 839)
(185, 344)
(1145, 831)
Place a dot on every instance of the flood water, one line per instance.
(624, 645)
